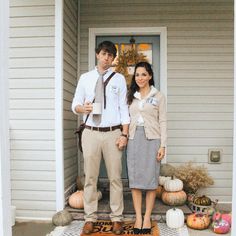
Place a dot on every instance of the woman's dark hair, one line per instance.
(134, 87)
(107, 46)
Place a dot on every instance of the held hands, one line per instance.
(88, 107)
(121, 142)
(160, 153)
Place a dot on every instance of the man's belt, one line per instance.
(103, 129)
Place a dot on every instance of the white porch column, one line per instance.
(60, 201)
(233, 229)
(5, 196)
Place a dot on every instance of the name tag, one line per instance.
(114, 89)
(153, 101)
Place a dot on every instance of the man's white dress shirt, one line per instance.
(116, 111)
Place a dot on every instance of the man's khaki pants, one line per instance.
(95, 145)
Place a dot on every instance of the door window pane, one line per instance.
(128, 55)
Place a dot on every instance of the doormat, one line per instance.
(103, 228)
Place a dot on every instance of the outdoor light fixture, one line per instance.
(214, 155)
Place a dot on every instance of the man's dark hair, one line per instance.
(107, 46)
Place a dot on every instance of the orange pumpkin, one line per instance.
(198, 221)
(76, 200)
(159, 191)
(174, 198)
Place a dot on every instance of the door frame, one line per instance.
(128, 31)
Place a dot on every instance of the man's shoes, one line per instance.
(117, 227)
(88, 227)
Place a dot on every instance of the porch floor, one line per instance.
(159, 210)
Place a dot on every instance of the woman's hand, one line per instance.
(161, 153)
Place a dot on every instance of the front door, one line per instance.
(132, 50)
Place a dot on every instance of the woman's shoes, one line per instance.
(137, 231)
(143, 230)
(146, 231)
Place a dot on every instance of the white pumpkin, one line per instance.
(173, 185)
(175, 218)
(163, 179)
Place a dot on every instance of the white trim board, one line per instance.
(5, 186)
(161, 31)
(59, 105)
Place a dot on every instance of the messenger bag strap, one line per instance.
(105, 85)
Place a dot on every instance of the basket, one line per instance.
(199, 208)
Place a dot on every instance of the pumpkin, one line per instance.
(174, 198)
(217, 216)
(175, 218)
(173, 185)
(62, 218)
(163, 179)
(198, 221)
(220, 226)
(227, 217)
(159, 191)
(76, 200)
(202, 201)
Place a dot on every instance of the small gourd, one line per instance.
(175, 218)
(62, 218)
(198, 221)
(173, 185)
(209, 211)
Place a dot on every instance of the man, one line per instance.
(102, 136)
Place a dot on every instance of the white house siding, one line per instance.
(200, 73)
(69, 84)
(32, 107)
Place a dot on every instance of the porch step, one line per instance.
(159, 210)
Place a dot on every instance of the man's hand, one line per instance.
(160, 153)
(121, 142)
(88, 107)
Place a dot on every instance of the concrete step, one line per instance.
(158, 213)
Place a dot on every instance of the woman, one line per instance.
(147, 142)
